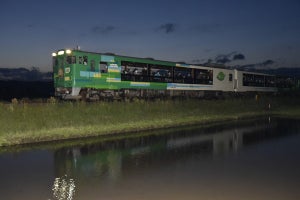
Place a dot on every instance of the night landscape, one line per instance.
(149, 100)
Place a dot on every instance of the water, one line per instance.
(245, 160)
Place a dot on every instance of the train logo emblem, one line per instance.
(221, 76)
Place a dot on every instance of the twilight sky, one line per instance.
(232, 32)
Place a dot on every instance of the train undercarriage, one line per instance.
(90, 94)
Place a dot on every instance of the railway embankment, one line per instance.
(23, 123)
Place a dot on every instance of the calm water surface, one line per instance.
(253, 160)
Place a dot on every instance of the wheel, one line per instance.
(83, 94)
(95, 97)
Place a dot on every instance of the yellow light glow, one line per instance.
(68, 51)
(53, 54)
(67, 78)
(61, 53)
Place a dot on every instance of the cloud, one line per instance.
(259, 65)
(238, 57)
(102, 30)
(267, 62)
(227, 58)
(167, 28)
(222, 59)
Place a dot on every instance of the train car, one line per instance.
(254, 82)
(95, 76)
(206, 81)
(81, 74)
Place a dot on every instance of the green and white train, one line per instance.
(95, 76)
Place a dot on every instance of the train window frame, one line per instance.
(71, 60)
(160, 73)
(230, 77)
(270, 81)
(134, 71)
(204, 76)
(254, 80)
(103, 67)
(80, 60)
(183, 75)
(85, 60)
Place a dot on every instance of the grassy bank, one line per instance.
(26, 123)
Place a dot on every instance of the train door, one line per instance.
(61, 70)
(110, 70)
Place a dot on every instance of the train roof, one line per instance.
(169, 63)
(128, 57)
(146, 59)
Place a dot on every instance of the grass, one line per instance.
(28, 123)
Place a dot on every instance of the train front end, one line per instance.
(63, 74)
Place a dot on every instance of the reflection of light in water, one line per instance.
(63, 188)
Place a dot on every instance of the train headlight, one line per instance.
(68, 51)
(61, 53)
(53, 54)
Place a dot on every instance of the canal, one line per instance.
(257, 159)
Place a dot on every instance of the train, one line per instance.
(96, 76)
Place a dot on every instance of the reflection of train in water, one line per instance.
(80, 74)
(110, 159)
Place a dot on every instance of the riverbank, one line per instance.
(23, 123)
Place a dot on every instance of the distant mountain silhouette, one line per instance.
(25, 89)
(289, 72)
(24, 74)
(25, 83)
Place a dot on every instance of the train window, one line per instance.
(248, 79)
(85, 60)
(183, 75)
(254, 80)
(133, 71)
(230, 77)
(80, 60)
(204, 76)
(270, 81)
(92, 65)
(103, 67)
(259, 80)
(71, 59)
(125, 73)
(160, 73)
(285, 82)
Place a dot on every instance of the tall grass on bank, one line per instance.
(26, 123)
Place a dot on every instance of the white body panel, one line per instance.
(226, 84)
(225, 80)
